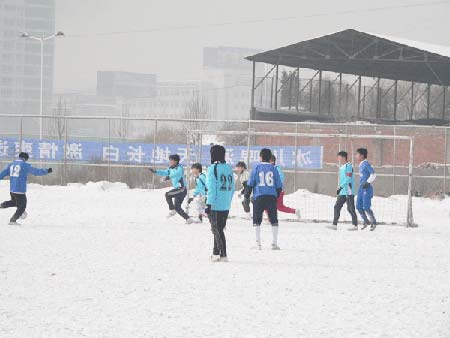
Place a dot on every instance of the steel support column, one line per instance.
(276, 88)
(395, 100)
(359, 96)
(320, 92)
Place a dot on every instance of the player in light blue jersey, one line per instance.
(220, 190)
(175, 174)
(266, 184)
(18, 172)
(365, 192)
(346, 190)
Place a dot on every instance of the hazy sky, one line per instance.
(177, 53)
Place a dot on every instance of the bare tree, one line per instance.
(57, 126)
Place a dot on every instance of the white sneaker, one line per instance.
(215, 258)
(297, 213)
(24, 215)
(171, 213)
(189, 221)
(197, 220)
(13, 223)
(247, 216)
(224, 259)
(275, 247)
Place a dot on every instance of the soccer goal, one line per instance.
(310, 165)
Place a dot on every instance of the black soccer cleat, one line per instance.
(373, 226)
(365, 225)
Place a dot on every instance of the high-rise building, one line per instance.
(20, 58)
(227, 79)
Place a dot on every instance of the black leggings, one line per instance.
(19, 201)
(341, 200)
(218, 220)
(178, 195)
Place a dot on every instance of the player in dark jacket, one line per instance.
(18, 172)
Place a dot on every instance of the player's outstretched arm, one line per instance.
(40, 172)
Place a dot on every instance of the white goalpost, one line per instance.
(310, 165)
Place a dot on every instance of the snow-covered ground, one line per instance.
(101, 260)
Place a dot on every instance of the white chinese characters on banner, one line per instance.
(74, 151)
(161, 154)
(26, 147)
(111, 153)
(135, 154)
(303, 158)
(3, 148)
(48, 150)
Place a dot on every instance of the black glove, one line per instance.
(366, 185)
(49, 170)
(167, 178)
(279, 190)
(190, 199)
(208, 209)
(338, 191)
(153, 171)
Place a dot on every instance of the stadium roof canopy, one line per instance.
(365, 54)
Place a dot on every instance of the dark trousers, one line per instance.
(19, 201)
(341, 200)
(218, 220)
(177, 195)
(266, 202)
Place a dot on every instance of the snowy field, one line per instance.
(101, 260)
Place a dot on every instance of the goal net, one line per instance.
(309, 162)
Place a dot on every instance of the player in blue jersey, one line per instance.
(199, 197)
(266, 185)
(365, 192)
(18, 172)
(220, 190)
(346, 190)
(175, 174)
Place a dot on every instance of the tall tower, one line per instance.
(20, 58)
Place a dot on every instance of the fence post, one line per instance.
(155, 133)
(109, 149)
(410, 220)
(393, 161)
(296, 156)
(445, 160)
(188, 157)
(248, 144)
(21, 133)
(64, 171)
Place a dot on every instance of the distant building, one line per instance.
(227, 79)
(125, 84)
(20, 58)
(172, 100)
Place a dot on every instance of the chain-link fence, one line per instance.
(83, 149)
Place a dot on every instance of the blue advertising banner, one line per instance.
(308, 157)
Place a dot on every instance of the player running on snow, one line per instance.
(18, 172)
(266, 185)
(242, 177)
(220, 190)
(280, 202)
(346, 190)
(199, 196)
(175, 174)
(365, 192)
